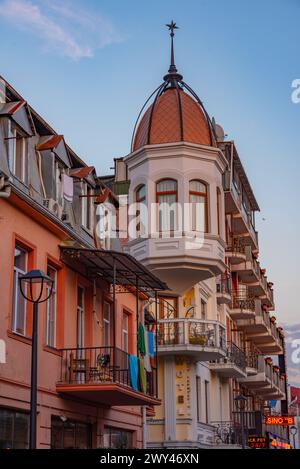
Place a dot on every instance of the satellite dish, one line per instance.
(220, 134)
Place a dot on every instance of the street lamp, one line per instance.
(240, 402)
(35, 281)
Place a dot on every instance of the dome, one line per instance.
(174, 117)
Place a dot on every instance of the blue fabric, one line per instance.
(134, 371)
(151, 344)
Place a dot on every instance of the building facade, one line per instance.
(88, 328)
(219, 344)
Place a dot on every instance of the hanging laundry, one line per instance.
(68, 187)
(141, 340)
(134, 371)
(142, 376)
(147, 363)
(151, 343)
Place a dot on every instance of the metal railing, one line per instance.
(234, 355)
(199, 332)
(98, 365)
(251, 360)
(243, 301)
(236, 246)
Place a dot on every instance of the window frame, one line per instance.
(106, 324)
(164, 193)
(206, 198)
(87, 207)
(17, 292)
(52, 298)
(138, 201)
(125, 331)
(16, 134)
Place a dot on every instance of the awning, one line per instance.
(94, 263)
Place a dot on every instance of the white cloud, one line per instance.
(64, 28)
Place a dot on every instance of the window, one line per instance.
(198, 206)
(70, 434)
(125, 332)
(203, 309)
(207, 403)
(17, 152)
(80, 317)
(166, 198)
(51, 309)
(141, 211)
(219, 210)
(14, 429)
(87, 206)
(198, 396)
(19, 303)
(106, 324)
(168, 307)
(116, 438)
(58, 182)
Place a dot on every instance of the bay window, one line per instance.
(166, 198)
(198, 206)
(141, 211)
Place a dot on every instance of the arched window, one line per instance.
(141, 211)
(166, 198)
(199, 206)
(219, 210)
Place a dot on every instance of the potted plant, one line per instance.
(276, 368)
(198, 340)
(270, 284)
(269, 360)
(273, 319)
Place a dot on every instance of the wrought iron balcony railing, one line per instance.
(200, 332)
(100, 365)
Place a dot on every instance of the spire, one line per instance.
(172, 75)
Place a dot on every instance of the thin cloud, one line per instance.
(65, 29)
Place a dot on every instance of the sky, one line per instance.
(88, 66)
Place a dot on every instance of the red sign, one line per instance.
(257, 442)
(286, 420)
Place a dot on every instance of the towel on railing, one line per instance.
(142, 376)
(141, 340)
(134, 371)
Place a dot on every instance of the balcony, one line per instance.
(102, 375)
(204, 340)
(224, 289)
(262, 332)
(180, 260)
(253, 277)
(242, 219)
(231, 366)
(236, 251)
(242, 306)
(266, 382)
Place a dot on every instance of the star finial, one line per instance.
(172, 26)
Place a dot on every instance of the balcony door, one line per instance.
(80, 319)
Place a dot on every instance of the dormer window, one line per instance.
(87, 207)
(18, 156)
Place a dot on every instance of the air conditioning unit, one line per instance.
(53, 206)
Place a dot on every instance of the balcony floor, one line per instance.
(108, 394)
(200, 353)
(228, 370)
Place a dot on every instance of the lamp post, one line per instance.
(35, 281)
(240, 402)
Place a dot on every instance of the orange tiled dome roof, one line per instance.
(174, 117)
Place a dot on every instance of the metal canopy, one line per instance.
(94, 263)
